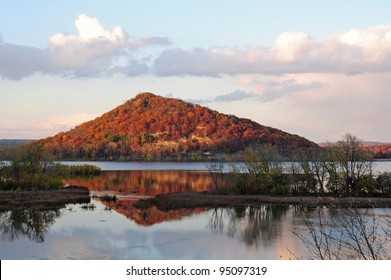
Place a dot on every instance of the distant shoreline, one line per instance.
(206, 160)
(43, 199)
(194, 200)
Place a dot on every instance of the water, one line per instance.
(104, 234)
(379, 166)
(117, 230)
(118, 165)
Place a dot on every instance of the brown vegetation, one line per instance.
(43, 199)
(195, 200)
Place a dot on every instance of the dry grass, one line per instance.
(43, 199)
(194, 200)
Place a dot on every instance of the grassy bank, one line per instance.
(43, 199)
(193, 200)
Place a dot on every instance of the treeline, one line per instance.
(345, 168)
(382, 151)
(30, 167)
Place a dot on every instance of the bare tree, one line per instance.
(319, 236)
(216, 171)
(348, 233)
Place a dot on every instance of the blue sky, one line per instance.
(314, 68)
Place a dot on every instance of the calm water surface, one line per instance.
(379, 166)
(100, 233)
(117, 230)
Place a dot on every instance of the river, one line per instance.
(117, 230)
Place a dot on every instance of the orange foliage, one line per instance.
(154, 127)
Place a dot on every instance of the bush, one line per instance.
(382, 183)
(281, 189)
(30, 168)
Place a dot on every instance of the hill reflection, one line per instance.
(149, 216)
(146, 182)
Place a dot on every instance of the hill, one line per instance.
(380, 150)
(153, 127)
(6, 143)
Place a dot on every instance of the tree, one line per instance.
(216, 171)
(265, 170)
(28, 168)
(353, 163)
(345, 233)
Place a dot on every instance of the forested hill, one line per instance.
(155, 128)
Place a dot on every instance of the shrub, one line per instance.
(382, 183)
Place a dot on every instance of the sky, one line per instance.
(318, 69)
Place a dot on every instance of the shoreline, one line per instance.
(43, 199)
(173, 201)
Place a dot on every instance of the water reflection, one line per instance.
(125, 183)
(251, 225)
(149, 216)
(32, 224)
(146, 182)
(345, 233)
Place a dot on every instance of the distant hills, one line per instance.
(6, 143)
(155, 128)
(380, 150)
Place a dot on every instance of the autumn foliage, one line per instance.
(381, 151)
(153, 127)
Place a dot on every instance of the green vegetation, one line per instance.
(77, 170)
(30, 167)
(343, 169)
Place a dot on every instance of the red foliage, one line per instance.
(155, 127)
(380, 151)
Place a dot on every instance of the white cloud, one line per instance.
(96, 51)
(290, 46)
(356, 51)
(93, 51)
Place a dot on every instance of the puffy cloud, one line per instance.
(356, 51)
(93, 51)
(373, 38)
(92, 48)
(96, 51)
(290, 46)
